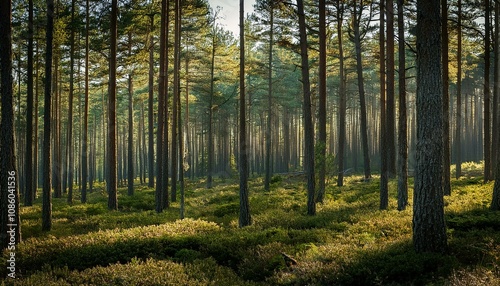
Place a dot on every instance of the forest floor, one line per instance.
(349, 242)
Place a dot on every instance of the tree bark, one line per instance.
(322, 102)
(28, 162)
(306, 106)
(161, 190)
(458, 123)
(151, 158)
(111, 183)
(487, 101)
(130, 157)
(361, 87)
(10, 224)
(69, 157)
(47, 197)
(177, 122)
(429, 230)
(446, 100)
(244, 218)
(85, 160)
(390, 108)
(342, 98)
(267, 177)
(384, 184)
(402, 124)
(496, 90)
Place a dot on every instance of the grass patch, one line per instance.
(349, 242)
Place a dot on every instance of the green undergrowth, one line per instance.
(349, 242)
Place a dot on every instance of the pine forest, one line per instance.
(250, 142)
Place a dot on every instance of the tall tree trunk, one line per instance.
(322, 101)
(151, 172)
(487, 102)
(177, 122)
(175, 107)
(161, 189)
(10, 224)
(47, 197)
(130, 157)
(390, 108)
(244, 218)
(210, 144)
(446, 100)
(402, 124)
(28, 163)
(111, 183)
(342, 97)
(361, 87)
(85, 161)
(429, 229)
(384, 184)
(458, 123)
(269, 98)
(306, 106)
(496, 90)
(35, 140)
(69, 138)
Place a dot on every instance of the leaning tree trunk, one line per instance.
(429, 230)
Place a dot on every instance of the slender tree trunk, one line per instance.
(10, 224)
(244, 218)
(402, 124)
(151, 173)
(28, 163)
(111, 183)
(210, 116)
(306, 106)
(487, 102)
(384, 184)
(322, 101)
(458, 123)
(175, 108)
(496, 90)
(390, 108)
(35, 140)
(269, 99)
(130, 157)
(47, 198)
(342, 97)
(361, 87)
(69, 139)
(446, 100)
(429, 229)
(177, 122)
(85, 161)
